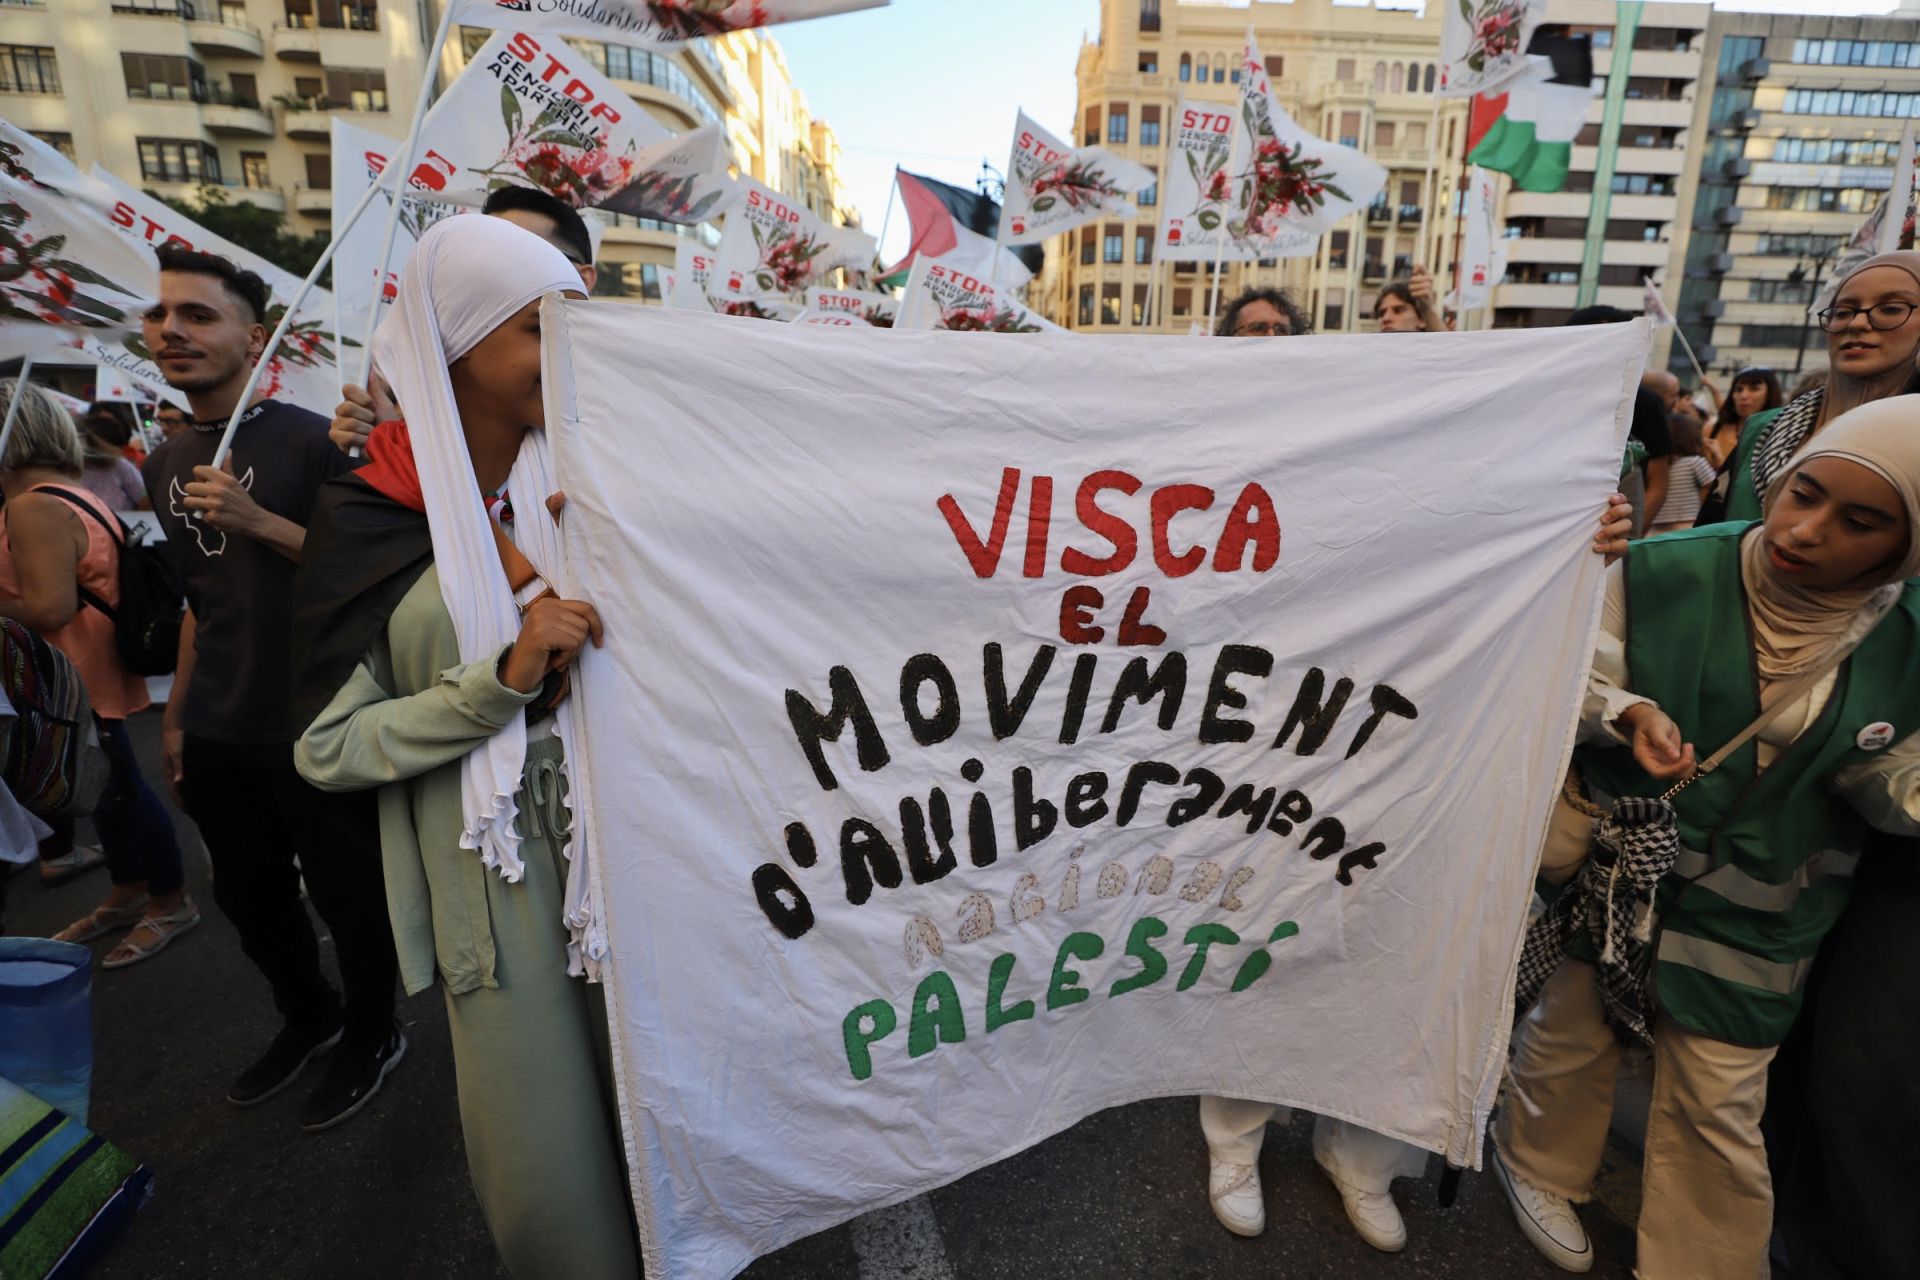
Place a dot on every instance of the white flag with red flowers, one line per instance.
(1197, 193)
(646, 24)
(1289, 187)
(534, 112)
(773, 249)
(858, 307)
(1483, 43)
(360, 156)
(63, 264)
(945, 293)
(1053, 187)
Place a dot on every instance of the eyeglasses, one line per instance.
(1881, 315)
(1264, 329)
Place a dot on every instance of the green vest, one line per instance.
(1743, 502)
(1767, 858)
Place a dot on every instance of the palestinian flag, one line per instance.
(1528, 131)
(937, 212)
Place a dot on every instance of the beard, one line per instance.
(211, 373)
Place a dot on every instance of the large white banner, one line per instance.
(773, 249)
(1038, 737)
(1053, 187)
(1197, 192)
(647, 24)
(1483, 43)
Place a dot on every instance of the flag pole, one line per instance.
(1219, 255)
(1426, 181)
(1687, 347)
(886, 219)
(409, 151)
(13, 402)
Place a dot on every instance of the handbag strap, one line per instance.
(1791, 695)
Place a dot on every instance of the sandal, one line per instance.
(151, 936)
(101, 921)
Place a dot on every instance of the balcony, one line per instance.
(1549, 204)
(1720, 263)
(1408, 212)
(296, 44)
(1379, 211)
(229, 117)
(315, 202)
(310, 119)
(1729, 216)
(225, 39)
(1736, 167)
(1746, 121)
(189, 193)
(1373, 269)
(1714, 308)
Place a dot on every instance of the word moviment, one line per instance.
(925, 845)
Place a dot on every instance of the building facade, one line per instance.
(1359, 75)
(1797, 143)
(238, 95)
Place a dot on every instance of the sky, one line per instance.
(933, 85)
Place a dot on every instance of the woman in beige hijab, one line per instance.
(1818, 594)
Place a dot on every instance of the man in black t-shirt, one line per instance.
(236, 533)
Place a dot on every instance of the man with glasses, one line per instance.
(1262, 313)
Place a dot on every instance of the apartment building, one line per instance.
(1358, 74)
(239, 95)
(1797, 142)
(1622, 217)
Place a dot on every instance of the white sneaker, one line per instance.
(1238, 1202)
(1546, 1219)
(1373, 1214)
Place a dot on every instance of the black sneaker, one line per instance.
(352, 1078)
(282, 1063)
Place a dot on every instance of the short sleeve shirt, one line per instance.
(241, 591)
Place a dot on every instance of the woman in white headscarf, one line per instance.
(432, 661)
(1819, 597)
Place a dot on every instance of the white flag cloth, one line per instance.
(947, 293)
(1289, 186)
(838, 307)
(646, 24)
(25, 158)
(1900, 195)
(1476, 259)
(692, 264)
(1483, 43)
(1864, 243)
(1196, 193)
(302, 370)
(63, 264)
(773, 249)
(536, 112)
(1026, 763)
(112, 385)
(360, 156)
(1053, 187)
(1654, 305)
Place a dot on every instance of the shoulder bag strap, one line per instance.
(1790, 696)
(88, 598)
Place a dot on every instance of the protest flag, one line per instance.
(1053, 187)
(952, 293)
(1198, 188)
(646, 24)
(774, 249)
(938, 214)
(1483, 43)
(1476, 261)
(855, 306)
(1896, 230)
(1527, 130)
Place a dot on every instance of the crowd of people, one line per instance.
(371, 696)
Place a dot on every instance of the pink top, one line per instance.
(88, 639)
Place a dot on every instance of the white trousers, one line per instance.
(1352, 1155)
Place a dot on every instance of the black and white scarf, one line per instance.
(1783, 438)
(1611, 903)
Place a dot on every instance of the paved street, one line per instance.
(246, 1194)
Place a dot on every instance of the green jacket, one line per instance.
(1767, 857)
(1743, 502)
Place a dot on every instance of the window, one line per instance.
(1337, 246)
(1822, 199)
(1415, 137)
(1641, 184)
(1603, 38)
(1139, 306)
(1399, 77)
(1349, 128)
(1117, 122)
(319, 171)
(1379, 77)
(1092, 129)
(1150, 194)
(1737, 51)
(1087, 246)
(61, 142)
(1143, 244)
(1797, 245)
(1086, 304)
(1426, 79)
(1782, 291)
(1149, 64)
(1383, 133)
(351, 15)
(1852, 102)
(1789, 336)
(1219, 68)
(1183, 301)
(152, 8)
(253, 170)
(307, 88)
(1234, 75)
(1149, 15)
(644, 67)
(1186, 68)
(1276, 66)
(153, 75)
(357, 88)
(1860, 151)
(1335, 316)
(1857, 53)
(1109, 304)
(177, 160)
(242, 90)
(1150, 125)
(28, 68)
(1113, 244)
(1410, 192)
(1343, 69)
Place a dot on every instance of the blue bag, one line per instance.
(46, 1021)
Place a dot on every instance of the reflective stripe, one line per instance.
(1743, 890)
(1731, 965)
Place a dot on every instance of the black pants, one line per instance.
(257, 815)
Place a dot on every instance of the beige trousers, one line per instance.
(1706, 1197)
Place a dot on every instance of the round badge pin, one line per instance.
(1875, 736)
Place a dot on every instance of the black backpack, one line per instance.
(153, 596)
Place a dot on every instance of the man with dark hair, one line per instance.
(236, 532)
(361, 409)
(171, 419)
(1262, 313)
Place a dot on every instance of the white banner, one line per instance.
(63, 264)
(1289, 186)
(360, 156)
(538, 113)
(1483, 43)
(1476, 260)
(1053, 187)
(1196, 194)
(646, 24)
(944, 293)
(836, 307)
(774, 249)
(1056, 746)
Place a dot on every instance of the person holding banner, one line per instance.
(1407, 306)
(235, 534)
(1818, 595)
(434, 664)
(1873, 351)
